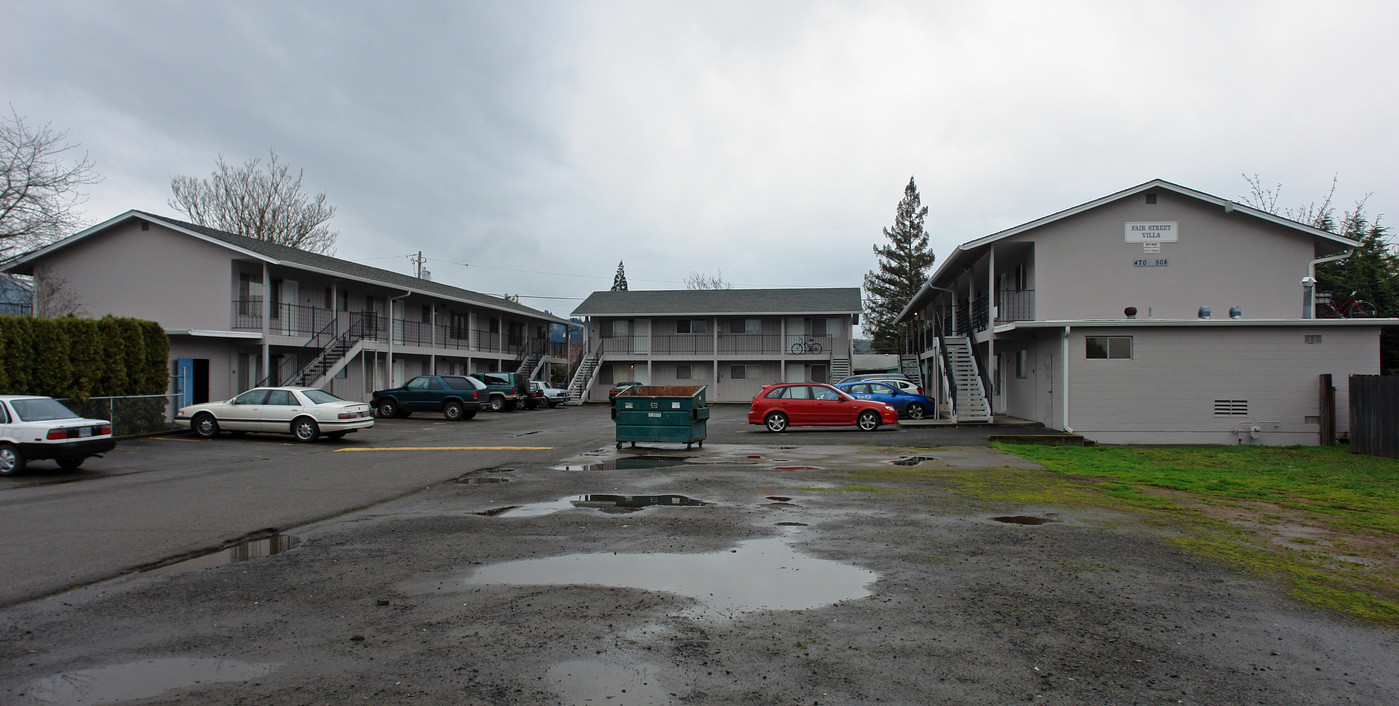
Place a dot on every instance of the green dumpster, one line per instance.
(670, 413)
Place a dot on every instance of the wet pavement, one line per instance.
(761, 568)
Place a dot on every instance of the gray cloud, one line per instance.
(543, 142)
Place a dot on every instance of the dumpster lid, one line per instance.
(662, 391)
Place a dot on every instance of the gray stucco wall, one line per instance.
(1082, 269)
(156, 274)
(1166, 392)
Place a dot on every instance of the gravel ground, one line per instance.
(796, 584)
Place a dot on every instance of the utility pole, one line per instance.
(418, 261)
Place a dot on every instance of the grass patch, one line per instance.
(1235, 501)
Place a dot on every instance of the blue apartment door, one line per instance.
(184, 380)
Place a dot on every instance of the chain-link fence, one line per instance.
(134, 414)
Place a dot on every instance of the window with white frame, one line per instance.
(684, 372)
(1108, 347)
(689, 326)
(741, 372)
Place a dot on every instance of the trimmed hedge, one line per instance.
(77, 359)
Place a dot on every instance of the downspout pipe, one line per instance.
(391, 302)
(1064, 386)
(1309, 282)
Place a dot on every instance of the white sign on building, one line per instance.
(1151, 232)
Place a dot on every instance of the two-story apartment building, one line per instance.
(1158, 314)
(242, 312)
(732, 340)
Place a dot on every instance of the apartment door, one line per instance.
(641, 336)
(292, 320)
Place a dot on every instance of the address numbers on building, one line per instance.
(1150, 262)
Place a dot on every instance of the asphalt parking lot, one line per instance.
(520, 558)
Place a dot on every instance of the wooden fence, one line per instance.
(1374, 415)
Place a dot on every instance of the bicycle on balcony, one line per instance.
(809, 346)
(1327, 308)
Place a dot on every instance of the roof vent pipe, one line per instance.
(1204, 312)
(1131, 312)
(1236, 313)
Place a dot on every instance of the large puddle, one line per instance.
(594, 681)
(614, 504)
(757, 575)
(246, 550)
(632, 463)
(140, 680)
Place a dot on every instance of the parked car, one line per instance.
(911, 404)
(303, 412)
(33, 428)
(457, 397)
(505, 390)
(872, 376)
(553, 396)
(902, 384)
(812, 404)
(620, 387)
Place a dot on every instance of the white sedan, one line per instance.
(303, 412)
(34, 428)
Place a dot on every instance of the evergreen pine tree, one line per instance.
(619, 283)
(902, 270)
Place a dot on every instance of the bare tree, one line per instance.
(1318, 215)
(40, 174)
(54, 297)
(699, 281)
(263, 204)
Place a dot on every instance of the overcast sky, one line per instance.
(527, 147)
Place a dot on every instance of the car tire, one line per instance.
(914, 410)
(305, 429)
(497, 403)
(204, 425)
(868, 420)
(70, 464)
(776, 421)
(453, 411)
(11, 460)
(387, 409)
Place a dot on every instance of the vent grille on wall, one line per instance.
(1231, 408)
(1310, 338)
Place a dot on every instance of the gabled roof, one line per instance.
(300, 259)
(952, 265)
(729, 302)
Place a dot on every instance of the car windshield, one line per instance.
(321, 397)
(41, 409)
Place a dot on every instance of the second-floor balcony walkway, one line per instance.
(730, 344)
(298, 321)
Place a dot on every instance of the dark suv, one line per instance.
(456, 396)
(506, 390)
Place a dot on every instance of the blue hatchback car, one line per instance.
(911, 405)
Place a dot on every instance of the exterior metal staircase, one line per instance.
(840, 369)
(970, 403)
(584, 377)
(908, 365)
(530, 365)
(328, 352)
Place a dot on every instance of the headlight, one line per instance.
(889, 408)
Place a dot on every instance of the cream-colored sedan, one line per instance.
(303, 412)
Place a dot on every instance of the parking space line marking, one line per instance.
(451, 448)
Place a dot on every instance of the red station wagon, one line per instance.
(812, 404)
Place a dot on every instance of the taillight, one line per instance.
(104, 428)
(56, 434)
(920, 391)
